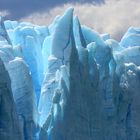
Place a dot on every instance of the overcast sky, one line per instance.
(20, 8)
(112, 16)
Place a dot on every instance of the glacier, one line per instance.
(66, 81)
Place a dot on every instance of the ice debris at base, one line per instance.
(68, 82)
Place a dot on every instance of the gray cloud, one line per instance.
(22, 8)
(114, 17)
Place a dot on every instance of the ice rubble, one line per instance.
(69, 82)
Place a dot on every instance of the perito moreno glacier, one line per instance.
(66, 81)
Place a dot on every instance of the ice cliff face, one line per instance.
(9, 123)
(68, 82)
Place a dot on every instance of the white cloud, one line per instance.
(4, 13)
(114, 17)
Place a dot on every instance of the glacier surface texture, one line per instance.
(66, 81)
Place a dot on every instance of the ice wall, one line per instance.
(92, 99)
(71, 83)
(9, 123)
(22, 90)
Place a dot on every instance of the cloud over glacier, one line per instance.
(113, 17)
(30, 6)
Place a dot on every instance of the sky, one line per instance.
(111, 16)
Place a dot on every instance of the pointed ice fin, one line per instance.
(63, 36)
